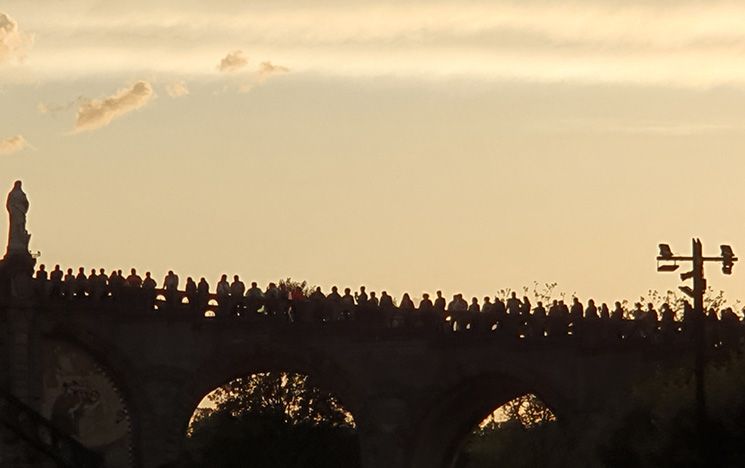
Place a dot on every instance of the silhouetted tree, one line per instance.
(277, 420)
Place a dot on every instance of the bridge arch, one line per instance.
(325, 373)
(459, 409)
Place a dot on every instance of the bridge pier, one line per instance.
(382, 430)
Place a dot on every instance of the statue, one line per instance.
(18, 237)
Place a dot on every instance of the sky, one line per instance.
(410, 146)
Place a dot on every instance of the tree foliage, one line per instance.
(272, 420)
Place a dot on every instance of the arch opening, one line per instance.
(271, 419)
(513, 435)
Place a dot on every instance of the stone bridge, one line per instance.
(414, 393)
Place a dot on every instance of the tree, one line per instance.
(273, 420)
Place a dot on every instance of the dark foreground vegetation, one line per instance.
(281, 420)
(655, 427)
(272, 420)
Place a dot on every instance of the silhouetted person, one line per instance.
(41, 273)
(149, 283)
(42, 287)
(90, 283)
(406, 311)
(525, 307)
(500, 315)
(514, 306)
(427, 312)
(439, 303)
(223, 297)
(361, 297)
(650, 321)
(555, 321)
(271, 300)
(317, 302)
(604, 312)
(203, 295)
(668, 327)
(729, 326)
(101, 285)
(386, 313)
(617, 324)
(487, 319)
(237, 290)
(457, 309)
(591, 311)
(300, 311)
(133, 280)
(190, 290)
(254, 299)
(170, 285)
(333, 305)
(347, 304)
(373, 300)
(116, 283)
(55, 278)
(148, 290)
(69, 284)
(538, 321)
(81, 283)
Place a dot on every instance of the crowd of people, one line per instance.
(514, 316)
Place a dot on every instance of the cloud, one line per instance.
(13, 43)
(13, 144)
(266, 69)
(232, 62)
(177, 89)
(100, 112)
(45, 108)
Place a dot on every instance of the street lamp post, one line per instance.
(727, 258)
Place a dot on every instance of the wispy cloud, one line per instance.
(266, 70)
(686, 42)
(13, 43)
(232, 62)
(98, 113)
(48, 108)
(13, 144)
(177, 89)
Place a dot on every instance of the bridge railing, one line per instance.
(207, 307)
(39, 432)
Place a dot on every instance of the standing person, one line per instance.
(55, 278)
(69, 284)
(191, 293)
(148, 289)
(538, 321)
(81, 283)
(203, 296)
(407, 311)
(333, 305)
(223, 297)
(347, 303)
(170, 284)
(42, 288)
(254, 299)
(237, 290)
(133, 280)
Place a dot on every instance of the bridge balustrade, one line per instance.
(309, 312)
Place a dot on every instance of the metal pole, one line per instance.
(699, 287)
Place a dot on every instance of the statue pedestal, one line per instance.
(16, 273)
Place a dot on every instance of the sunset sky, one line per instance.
(466, 146)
